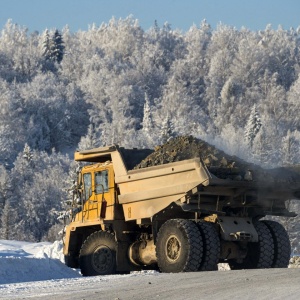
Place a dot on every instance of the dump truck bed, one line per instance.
(144, 192)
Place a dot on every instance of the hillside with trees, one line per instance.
(119, 84)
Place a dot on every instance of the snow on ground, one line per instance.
(26, 262)
(23, 261)
(36, 271)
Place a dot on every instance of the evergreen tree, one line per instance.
(47, 45)
(145, 137)
(167, 130)
(253, 126)
(8, 215)
(53, 46)
(147, 119)
(57, 47)
(27, 153)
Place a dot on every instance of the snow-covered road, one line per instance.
(35, 271)
(244, 284)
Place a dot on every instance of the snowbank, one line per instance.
(23, 261)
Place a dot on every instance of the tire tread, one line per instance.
(193, 244)
(282, 246)
(211, 246)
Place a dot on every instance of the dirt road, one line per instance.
(243, 284)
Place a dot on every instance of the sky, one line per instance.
(38, 15)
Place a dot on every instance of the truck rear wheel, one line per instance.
(98, 254)
(260, 255)
(282, 246)
(179, 246)
(211, 246)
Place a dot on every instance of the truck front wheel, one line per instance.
(98, 254)
(179, 246)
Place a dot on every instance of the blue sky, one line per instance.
(78, 14)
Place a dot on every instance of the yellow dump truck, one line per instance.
(175, 217)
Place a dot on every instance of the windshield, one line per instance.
(87, 181)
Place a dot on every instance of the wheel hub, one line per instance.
(173, 248)
(102, 259)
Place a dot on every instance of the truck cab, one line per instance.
(96, 193)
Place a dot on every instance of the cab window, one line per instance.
(101, 181)
(87, 181)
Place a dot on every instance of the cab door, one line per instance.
(88, 195)
(98, 193)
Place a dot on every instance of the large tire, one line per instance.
(260, 255)
(98, 254)
(211, 246)
(179, 246)
(282, 246)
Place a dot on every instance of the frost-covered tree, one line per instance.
(57, 47)
(15, 46)
(292, 112)
(147, 134)
(167, 130)
(265, 147)
(291, 148)
(39, 187)
(52, 50)
(46, 45)
(221, 52)
(27, 153)
(56, 115)
(147, 119)
(253, 126)
(8, 213)
(12, 123)
(89, 141)
(53, 46)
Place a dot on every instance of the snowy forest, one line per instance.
(120, 84)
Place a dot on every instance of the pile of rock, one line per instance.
(295, 262)
(186, 147)
(219, 163)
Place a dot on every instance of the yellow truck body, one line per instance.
(130, 219)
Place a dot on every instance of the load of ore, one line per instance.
(218, 162)
(295, 262)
